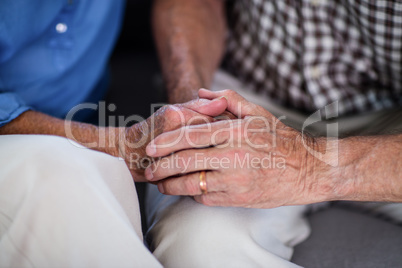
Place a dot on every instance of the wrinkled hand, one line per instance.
(254, 161)
(131, 141)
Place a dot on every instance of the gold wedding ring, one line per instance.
(203, 182)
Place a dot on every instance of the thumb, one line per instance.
(212, 108)
(236, 104)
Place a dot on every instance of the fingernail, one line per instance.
(151, 149)
(160, 188)
(148, 173)
(221, 97)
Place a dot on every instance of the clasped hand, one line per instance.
(130, 142)
(252, 161)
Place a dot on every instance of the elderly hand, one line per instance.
(131, 142)
(254, 161)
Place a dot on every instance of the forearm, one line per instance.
(31, 122)
(369, 169)
(126, 142)
(190, 38)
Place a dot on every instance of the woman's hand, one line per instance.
(131, 142)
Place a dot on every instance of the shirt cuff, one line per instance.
(11, 106)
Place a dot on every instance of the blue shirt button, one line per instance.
(61, 28)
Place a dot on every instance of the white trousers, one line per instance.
(187, 234)
(62, 205)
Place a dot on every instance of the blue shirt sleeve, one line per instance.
(11, 106)
(16, 30)
(53, 53)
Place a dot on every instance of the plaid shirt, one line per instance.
(309, 53)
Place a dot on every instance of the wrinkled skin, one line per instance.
(132, 141)
(221, 147)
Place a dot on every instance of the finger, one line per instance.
(208, 107)
(209, 94)
(189, 184)
(236, 104)
(199, 136)
(213, 199)
(170, 117)
(226, 115)
(187, 161)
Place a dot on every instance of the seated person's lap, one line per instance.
(62, 204)
(183, 232)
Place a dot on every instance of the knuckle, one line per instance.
(205, 200)
(241, 199)
(165, 186)
(184, 157)
(196, 139)
(169, 187)
(190, 187)
(167, 110)
(180, 164)
(174, 114)
(239, 125)
(223, 184)
(192, 137)
(172, 109)
(243, 124)
(229, 92)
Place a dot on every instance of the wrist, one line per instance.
(323, 169)
(183, 83)
(355, 173)
(368, 170)
(125, 142)
(106, 140)
(182, 94)
(131, 143)
(184, 88)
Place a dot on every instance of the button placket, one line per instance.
(61, 40)
(310, 68)
(315, 72)
(316, 2)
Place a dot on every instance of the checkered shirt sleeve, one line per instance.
(307, 54)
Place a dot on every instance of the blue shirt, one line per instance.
(53, 53)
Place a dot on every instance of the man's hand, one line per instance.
(255, 161)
